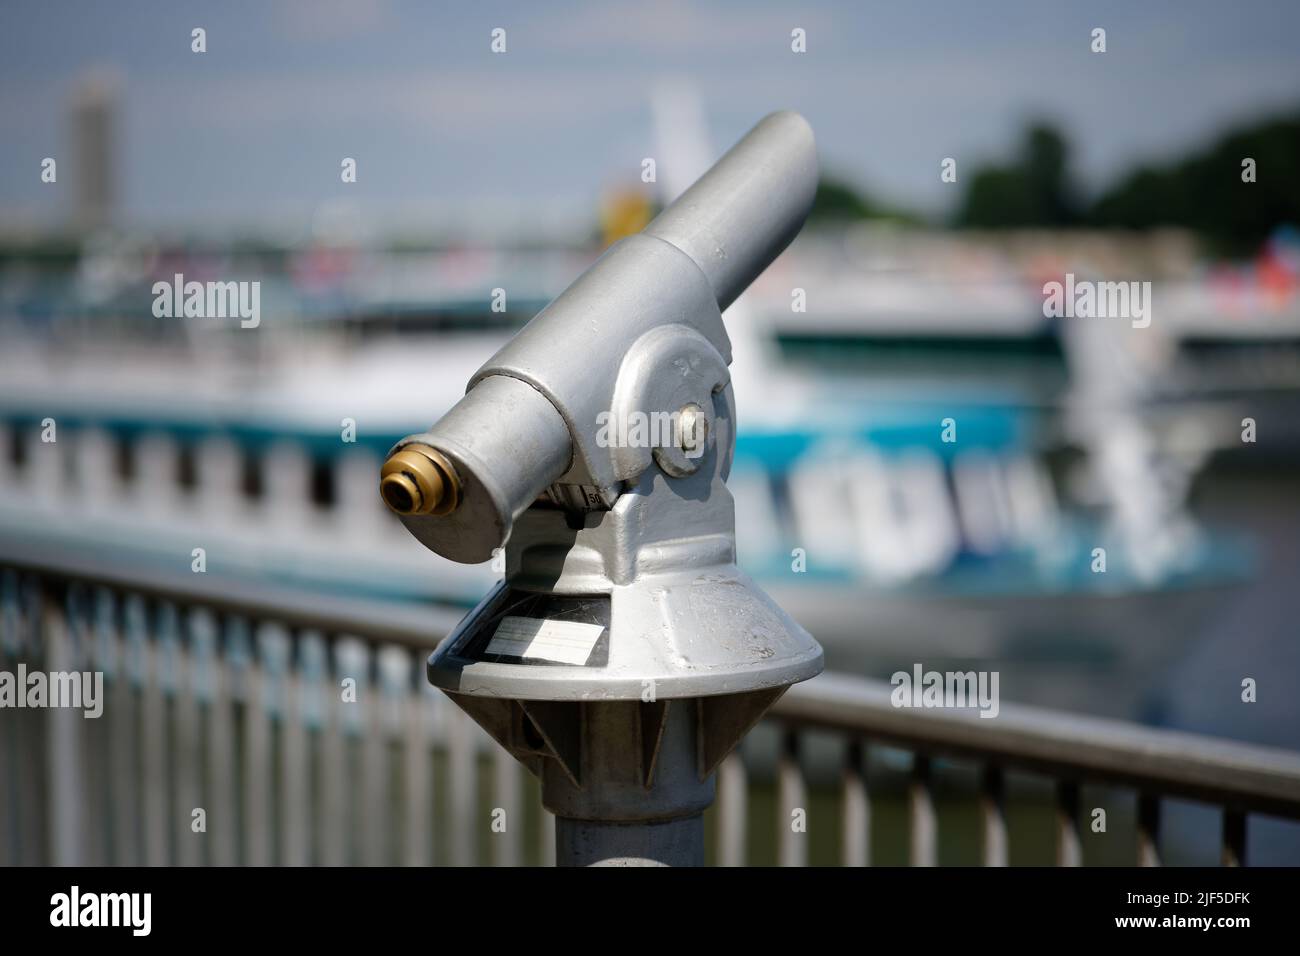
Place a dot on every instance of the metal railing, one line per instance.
(248, 724)
(1069, 749)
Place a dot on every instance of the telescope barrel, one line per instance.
(743, 212)
(531, 414)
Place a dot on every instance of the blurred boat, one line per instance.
(890, 543)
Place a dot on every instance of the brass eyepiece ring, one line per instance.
(419, 480)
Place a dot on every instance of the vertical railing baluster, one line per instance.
(31, 730)
(123, 796)
(186, 767)
(222, 796)
(65, 761)
(17, 824)
(160, 640)
(352, 661)
(254, 775)
(138, 764)
(856, 808)
(924, 826)
(993, 817)
(98, 824)
(333, 818)
(462, 784)
(32, 734)
(265, 723)
(201, 634)
(507, 788)
(1234, 837)
(103, 639)
(417, 776)
(295, 787)
(374, 766)
(243, 677)
(384, 719)
(316, 713)
(1148, 830)
(153, 741)
(733, 809)
(1069, 850)
(792, 804)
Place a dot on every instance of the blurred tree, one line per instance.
(1206, 193)
(1147, 197)
(838, 202)
(1045, 165)
(1033, 191)
(996, 199)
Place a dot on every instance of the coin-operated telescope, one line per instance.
(624, 654)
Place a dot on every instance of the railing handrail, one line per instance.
(419, 626)
(1240, 776)
(1067, 745)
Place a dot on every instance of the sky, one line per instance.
(253, 131)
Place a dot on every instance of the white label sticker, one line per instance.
(532, 638)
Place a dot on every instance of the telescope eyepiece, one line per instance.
(419, 480)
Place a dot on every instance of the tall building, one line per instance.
(94, 118)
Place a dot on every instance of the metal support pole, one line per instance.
(637, 805)
(677, 842)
